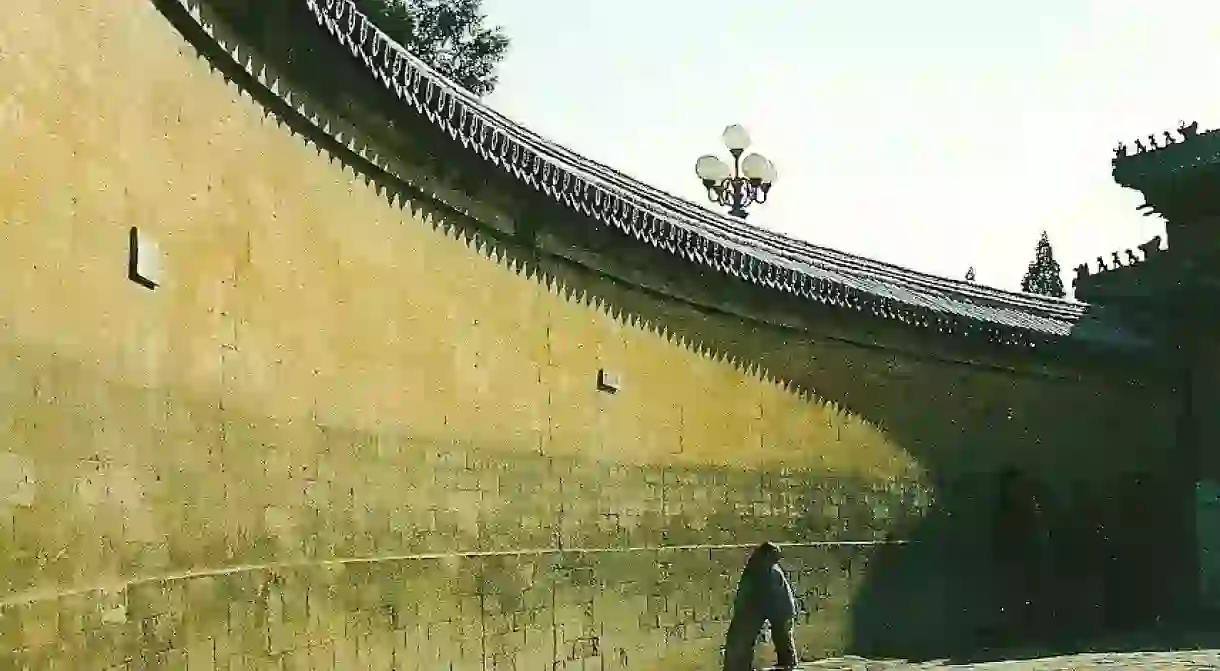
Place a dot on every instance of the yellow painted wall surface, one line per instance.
(337, 437)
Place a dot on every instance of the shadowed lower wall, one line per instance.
(342, 434)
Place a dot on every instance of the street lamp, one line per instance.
(748, 181)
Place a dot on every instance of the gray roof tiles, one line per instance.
(693, 232)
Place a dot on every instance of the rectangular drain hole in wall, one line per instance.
(143, 260)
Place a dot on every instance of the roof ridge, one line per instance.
(983, 292)
(1064, 306)
(987, 292)
(686, 229)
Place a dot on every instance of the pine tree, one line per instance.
(448, 35)
(1044, 275)
(970, 274)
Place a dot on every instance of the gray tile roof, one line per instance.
(715, 240)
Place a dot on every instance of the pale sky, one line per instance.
(936, 135)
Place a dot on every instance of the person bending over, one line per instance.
(763, 595)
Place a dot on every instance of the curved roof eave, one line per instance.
(695, 233)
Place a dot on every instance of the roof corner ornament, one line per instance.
(1187, 131)
(1117, 261)
(1151, 248)
(748, 181)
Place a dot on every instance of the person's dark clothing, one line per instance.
(764, 595)
(781, 602)
(744, 630)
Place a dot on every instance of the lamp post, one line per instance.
(747, 181)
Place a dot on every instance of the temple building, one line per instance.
(1172, 283)
(313, 360)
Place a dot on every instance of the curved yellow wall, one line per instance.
(190, 474)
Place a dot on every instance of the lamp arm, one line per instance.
(721, 192)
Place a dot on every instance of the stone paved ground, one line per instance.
(1153, 661)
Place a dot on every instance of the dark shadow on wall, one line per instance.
(1097, 442)
(1113, 514)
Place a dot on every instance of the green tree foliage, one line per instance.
(1044, 275)
(448, 35)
